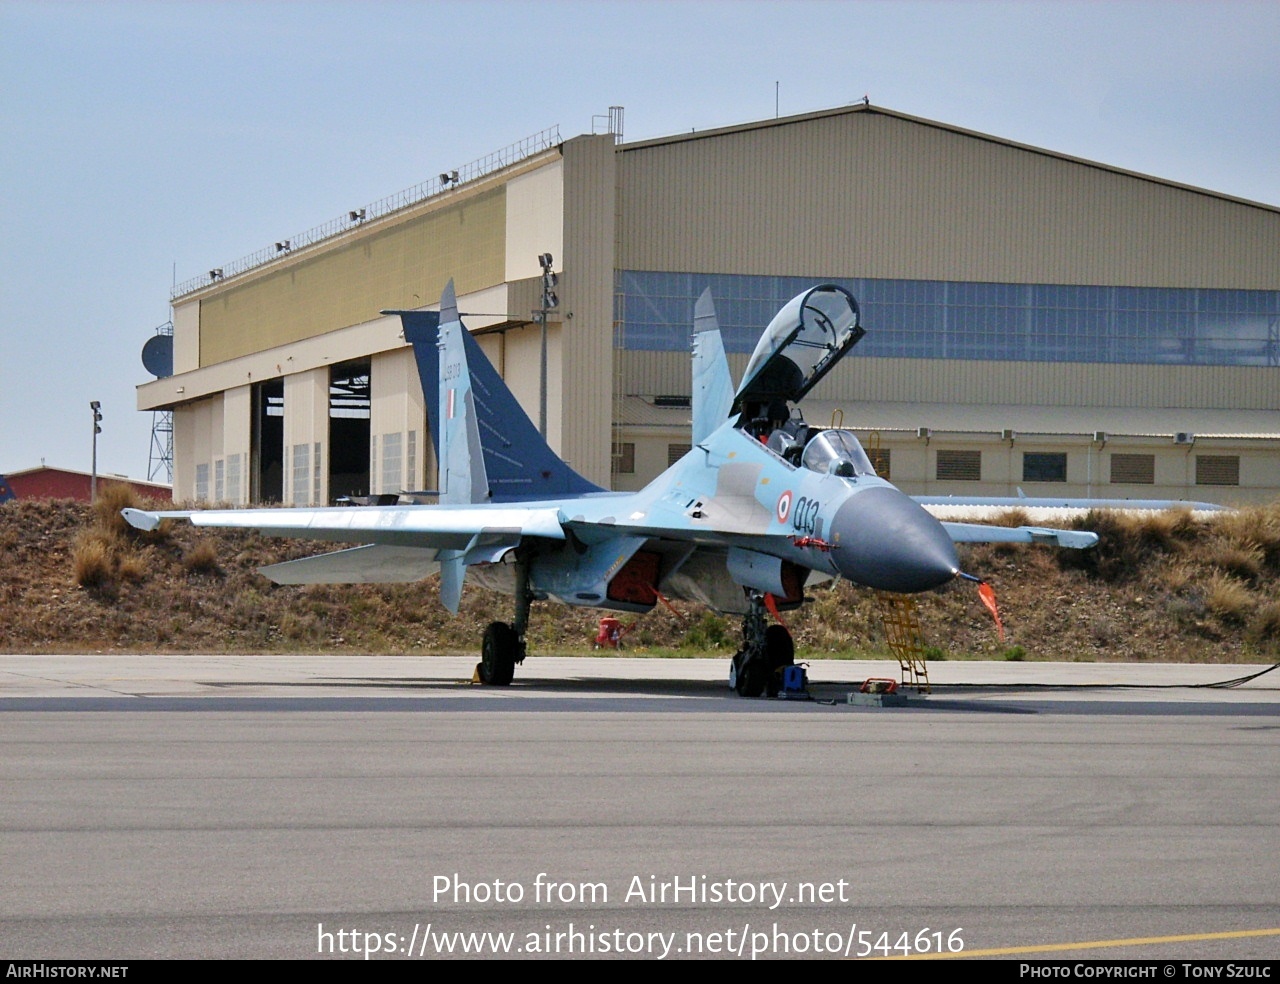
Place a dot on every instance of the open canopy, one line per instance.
(804, 340)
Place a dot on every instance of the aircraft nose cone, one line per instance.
(885, 540)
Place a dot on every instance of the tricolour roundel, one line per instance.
(784, 506)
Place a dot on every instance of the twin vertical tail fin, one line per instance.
(519, 466)
(464, 479)
(712, 382)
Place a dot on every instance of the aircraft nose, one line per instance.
(884, 539)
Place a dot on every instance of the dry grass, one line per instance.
(201, 559)
(1227, 598)
(1255, 529)
(1264, 628)
(112, 497)
(94, 562)
(151, 591)
(1244, 562)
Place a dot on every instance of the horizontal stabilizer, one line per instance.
(373, 564)
(978, 533)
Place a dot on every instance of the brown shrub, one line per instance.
(1227, 598)
(112, 497)
(1253, 528)
(1012, 517)
(94, 563)
(131, 567)
(1244, 562)
(1264, 627)
(201, 559)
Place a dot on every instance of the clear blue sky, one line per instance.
(143, 139)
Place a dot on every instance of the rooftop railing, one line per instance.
(447, 180)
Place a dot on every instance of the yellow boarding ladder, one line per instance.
(906, 641)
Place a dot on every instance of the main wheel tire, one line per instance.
(749, 676)
(498, 654)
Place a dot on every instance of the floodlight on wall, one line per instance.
(545, 260)
(448, 177)
(215, 273)
(356, 215)
(283, 246)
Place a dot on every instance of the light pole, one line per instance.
(96, 407)
(549, 300)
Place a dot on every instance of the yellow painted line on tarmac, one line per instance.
(1006, 951)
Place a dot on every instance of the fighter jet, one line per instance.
(763, 506)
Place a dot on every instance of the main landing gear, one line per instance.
(766, 650)
(503, 645)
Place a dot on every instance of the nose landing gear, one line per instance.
(766, 650)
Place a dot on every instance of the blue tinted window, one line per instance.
(942, 320)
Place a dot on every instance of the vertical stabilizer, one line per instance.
(519, 465)
(463, 478)
(712, 382)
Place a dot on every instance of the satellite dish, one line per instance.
(157, 356)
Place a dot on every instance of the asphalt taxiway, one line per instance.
(317, 806)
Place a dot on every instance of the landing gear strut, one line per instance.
(503, 646)
(766, 650)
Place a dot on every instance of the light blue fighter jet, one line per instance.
(761, 507)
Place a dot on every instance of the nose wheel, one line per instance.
(766, 650)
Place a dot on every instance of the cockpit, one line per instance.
(836, 452)
(829, 452)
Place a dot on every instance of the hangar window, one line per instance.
(624, 458)
(1044, 466)
(1133, 469)
(233, 479)
(959, 466)
(1217, 469)
(391, 481)
(202, 483)
(301, 474)
(677, 451)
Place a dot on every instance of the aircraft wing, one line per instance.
(399, 543)
(978, 533)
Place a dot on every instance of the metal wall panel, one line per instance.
(404, 265)
(874, 194)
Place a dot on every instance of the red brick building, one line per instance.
(62, 483)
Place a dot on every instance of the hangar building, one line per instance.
(1035, 320)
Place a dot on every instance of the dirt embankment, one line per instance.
(1164, 587)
